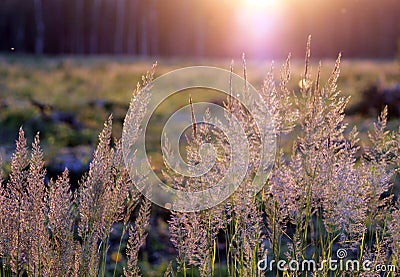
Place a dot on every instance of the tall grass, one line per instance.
(329, 192)
(49, 230)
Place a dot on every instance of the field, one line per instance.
(68, 99)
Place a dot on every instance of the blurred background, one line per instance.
(206, 28)
(66, 65)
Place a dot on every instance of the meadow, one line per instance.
(302, 213)
(92, 88)
(67, 99)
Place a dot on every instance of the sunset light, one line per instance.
(261, 4)
(240, 138)
(256, 23)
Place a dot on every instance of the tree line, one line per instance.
(359, 28)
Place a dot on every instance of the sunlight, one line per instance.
(256, 23)
(261, 4)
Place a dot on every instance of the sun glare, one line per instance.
(256, 23)
(261, 4)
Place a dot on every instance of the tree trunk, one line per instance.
(153, 28)
(119, 27)
(132, 28)
(39, 40)
(144, 33)
(94, 29)
(79, 18)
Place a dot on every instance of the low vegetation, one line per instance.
(328, 191)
